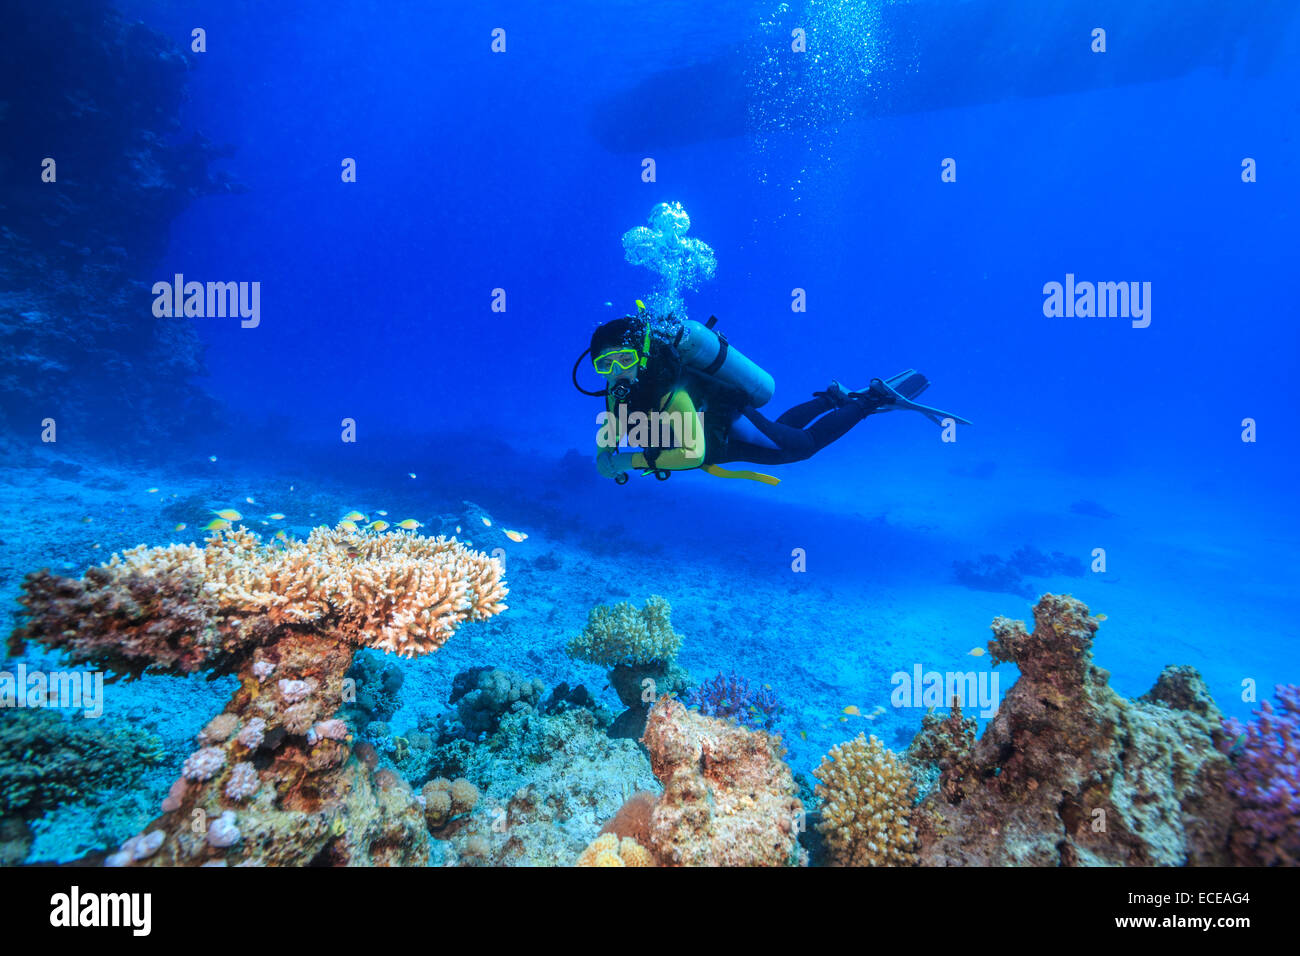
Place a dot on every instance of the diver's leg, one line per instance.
(795, 443)
(738, 450)
(801, 415)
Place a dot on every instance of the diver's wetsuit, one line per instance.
(791, 433)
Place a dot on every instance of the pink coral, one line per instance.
(293, 690)
(333, 729)
(223, 832)
(253, 734)
(204, 764)
(243, 782)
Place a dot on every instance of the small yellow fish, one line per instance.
(276, 517)
(151, 491)
(767, 687)
(409, 524)
(347, 526)
(281, 536)
(803, 734)
(354, 516)
(217, 524)
(250, 500)
(976, 652)
(378, 526)
(458, 529)
(468, 543)
(179, 527)
(515, 536)
(212, 458)
(844, 720)
(1100, 617)
(486, 522)
(410, 474)
(229, 514)
(381, 511)
(852, 710)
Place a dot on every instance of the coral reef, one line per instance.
(1265, 779)
(990, 573)
(866, 794)
(1070, 773)
(640, 647)
(287, 620)
(378, 684)
(483, 695)
(101, 96)
(733, 699)
(608, 850)
(947, 745)
(622, 634)
(446, 799)
(547, 781)
(728, 800)
(48, 760)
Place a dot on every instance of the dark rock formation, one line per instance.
(101, 97)
(1070, 773)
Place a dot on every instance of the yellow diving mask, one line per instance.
(624, 359)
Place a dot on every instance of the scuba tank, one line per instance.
(708, 352)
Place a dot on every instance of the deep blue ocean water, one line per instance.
(522, 170)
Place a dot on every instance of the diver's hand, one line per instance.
(611, 463)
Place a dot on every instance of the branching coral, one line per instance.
(183, 608)
(866, 794)
(622, 634)
(1265, 779)
(287, 620)
(732, 698)
(728, 800)
(640, 647)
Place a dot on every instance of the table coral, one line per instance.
(1069, 773)
(729, 799)
(304, 608)
(866, 794)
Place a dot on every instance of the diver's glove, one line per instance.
(611, 463)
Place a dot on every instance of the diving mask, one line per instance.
(623, 359)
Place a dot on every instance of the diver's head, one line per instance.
(619, 350)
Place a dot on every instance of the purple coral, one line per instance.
(732, 697)
(1265, 779)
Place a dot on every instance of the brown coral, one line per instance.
(867, 805)
(728, 800)
(237, 605)
(1070, 773)
(608, 850)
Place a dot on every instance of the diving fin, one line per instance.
(898, 392)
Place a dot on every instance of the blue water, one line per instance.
(479, 171)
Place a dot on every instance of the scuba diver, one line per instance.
(701, 398)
